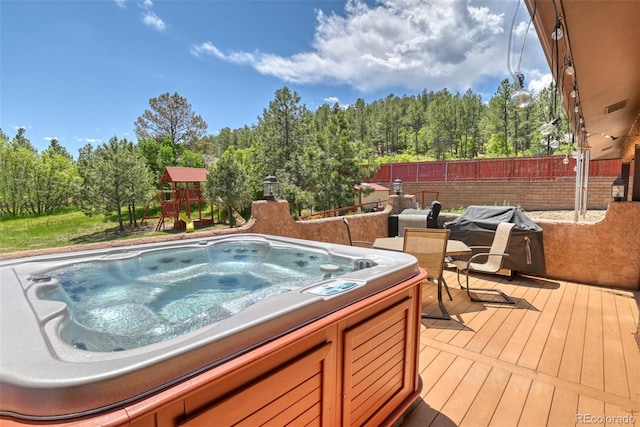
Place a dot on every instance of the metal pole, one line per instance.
(586, 154)
(578, 191)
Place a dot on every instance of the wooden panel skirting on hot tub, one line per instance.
(377, 364)
(356, 366)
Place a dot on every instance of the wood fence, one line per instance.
(521, 169)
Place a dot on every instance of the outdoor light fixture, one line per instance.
(617, 189)
(569, 71)
(558, 32)
(554, 144)
(547, 128)
(574, 92)
(565, 161)
(397, 186)
(270, 185)
(521, 97)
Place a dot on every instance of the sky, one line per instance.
(83, 71)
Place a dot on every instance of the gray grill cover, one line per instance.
(477, 225)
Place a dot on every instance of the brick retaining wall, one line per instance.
(528, 195)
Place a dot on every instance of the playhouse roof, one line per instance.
(183, 174)
(375, 187)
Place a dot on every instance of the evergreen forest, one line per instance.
(317, 156)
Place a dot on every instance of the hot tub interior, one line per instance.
(85, 332)
(124, 301)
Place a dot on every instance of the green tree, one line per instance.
(191, 159)
(86, 197)
(335, 181)
(283, 130)
(471, 110)
(118, 176)
(441, 123)
(17, 161)
(228, 182)
(496, 121)
(171, 117)
(55, 180)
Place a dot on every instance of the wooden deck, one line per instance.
(563, 352)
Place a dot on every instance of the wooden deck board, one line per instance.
(593, 357)
(571, 363)
(538, 404)
(564, 350)
(614, 363)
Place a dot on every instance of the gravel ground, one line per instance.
(590, 216)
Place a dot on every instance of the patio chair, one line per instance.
(429, 247)
(493, 260)
(356, 242)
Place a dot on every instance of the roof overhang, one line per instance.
(602, 40)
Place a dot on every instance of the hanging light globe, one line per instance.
(569, 71)
(546, 128)
(558, 32)
(521, 98)
(554, 144)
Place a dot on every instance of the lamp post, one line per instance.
(617, 189)
(397, 186)
(270, 187)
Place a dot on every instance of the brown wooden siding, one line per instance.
(519, 168)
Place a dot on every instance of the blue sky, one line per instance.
(83, 71)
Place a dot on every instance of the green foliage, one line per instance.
(340, 171)
(115, 176)
(171, 119)
(495, 147)
(316, 156)
(228, 182)
(32, 182)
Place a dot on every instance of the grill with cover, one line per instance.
(477, 225)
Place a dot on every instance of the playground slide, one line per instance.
(189, 224)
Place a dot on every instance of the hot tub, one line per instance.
(87, 332)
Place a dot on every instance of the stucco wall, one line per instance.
(605, 253)
(274, 218)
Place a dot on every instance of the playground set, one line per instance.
(180, 197)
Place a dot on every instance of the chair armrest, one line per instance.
(485, 254)
(479, 247)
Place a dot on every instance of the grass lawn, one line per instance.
(65, 229)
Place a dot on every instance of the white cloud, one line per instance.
(542, 82)
(147, 4)
(121, 3)
(332, 100)
(409, 43)
(207, 48)
(150, 19)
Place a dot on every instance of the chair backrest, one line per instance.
(499, 246)
(429, 246)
